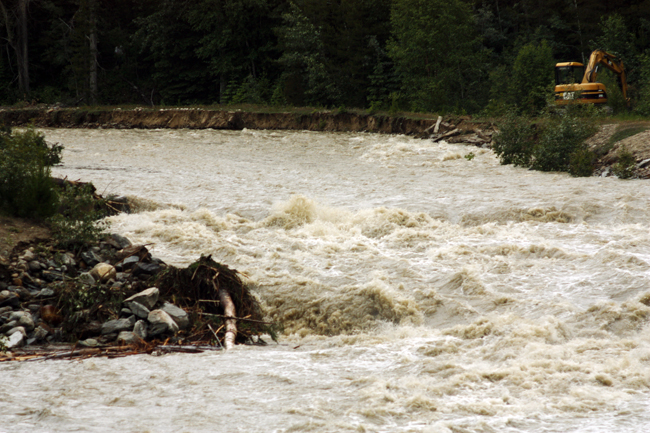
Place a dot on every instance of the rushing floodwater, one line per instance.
(421, 291)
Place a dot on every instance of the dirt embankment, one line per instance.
(216, 119)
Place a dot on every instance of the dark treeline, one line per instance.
(417, 55)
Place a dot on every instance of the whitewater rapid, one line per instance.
(422, 287)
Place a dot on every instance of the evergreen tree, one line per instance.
(532, 77)
(437, 54)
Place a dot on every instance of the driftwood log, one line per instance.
(229, 310)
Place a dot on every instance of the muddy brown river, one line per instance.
(422, 287)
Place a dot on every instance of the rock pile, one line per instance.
(98, 296)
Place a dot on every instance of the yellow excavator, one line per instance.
(571, 85)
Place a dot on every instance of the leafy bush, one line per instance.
(76, 300)
(643, 106)
(559, 141)
(582, 161)
(250, 91)
(78, 221)
(624, 167)
(515, 141)
(552, 145)
(615, 99)
(26, 189)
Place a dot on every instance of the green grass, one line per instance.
(623, 132)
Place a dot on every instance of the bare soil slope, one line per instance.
(16, 230)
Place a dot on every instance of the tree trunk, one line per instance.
(223, 85)
(22, 52)
(582, 51)
(228, 311)
(92, 38)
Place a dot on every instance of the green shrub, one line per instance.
(252, 91)
(615, 99)
(397, 101)
(375, 107)
(26, 189)
(582, 162)
(277, 97)
(643, 105)
(624, 167)
(78, 221)
(515, 141)
(559, 141)
(556, 144)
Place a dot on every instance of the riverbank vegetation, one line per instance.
(458, 56)
(72, 210)
(547, 144)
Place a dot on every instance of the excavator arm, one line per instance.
(611, 62)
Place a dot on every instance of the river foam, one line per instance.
(419, 290)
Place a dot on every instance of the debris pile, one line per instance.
(116, 294)
(461, 130)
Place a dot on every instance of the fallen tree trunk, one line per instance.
(451, 133)
(229, 310)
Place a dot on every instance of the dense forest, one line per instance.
(453, 56)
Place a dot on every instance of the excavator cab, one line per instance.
(569, 73)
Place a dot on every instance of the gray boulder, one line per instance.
(40, 333)
(7, 326)
(121, 240)
(24, 319)
(20, 329)
(17, 339)
(140, 329)
(86, 279)
(178, 314)
(161, 322)
(67, 259)
(127, 337)
(118, 325)
(91, 258)
(45, 293)
(128, 263)
(138, 309)
(89, 342)
(147, 298)
(146, 269)
(28, 255)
